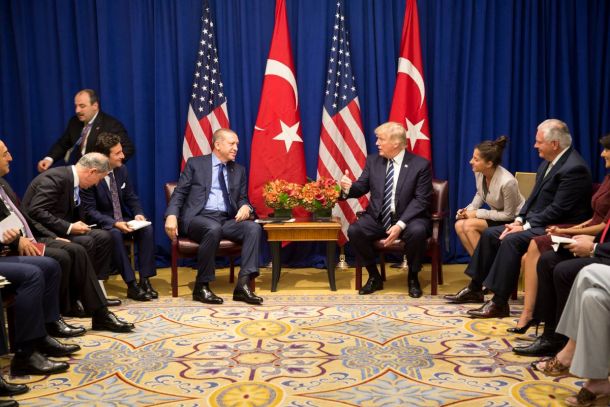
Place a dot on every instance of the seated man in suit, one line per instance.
(211, 202)
(561, 195)
(82, 132)
(556, 274)
(400, 184)
(110, 204)
(35, 283)
(78, 282)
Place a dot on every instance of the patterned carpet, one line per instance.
(300, 351)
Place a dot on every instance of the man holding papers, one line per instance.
(114, 206)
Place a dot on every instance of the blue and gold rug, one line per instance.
(300, 351)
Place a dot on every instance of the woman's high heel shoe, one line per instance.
(523, 329)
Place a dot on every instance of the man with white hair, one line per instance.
(561, 195)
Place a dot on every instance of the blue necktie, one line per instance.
(225, 193)
(116, 203)
(75, 153)
(386, 207)
(76, 196)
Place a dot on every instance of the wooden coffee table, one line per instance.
(303, 230)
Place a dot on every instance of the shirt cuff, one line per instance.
(527, 226)
(401, 224)
(519, 219)
(48, 159)
(69, 229)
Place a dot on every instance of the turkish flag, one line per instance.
(409, 102)
(277, 145)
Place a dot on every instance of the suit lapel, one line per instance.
(544, 179)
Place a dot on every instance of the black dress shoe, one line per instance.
(11, 389)
(105, 320)
(490, 310)
(135, 292)
(113, 302)
(61, 329)
(242, 293)
(50, 346)
(372, 284)
(466, 295)
(9, 403)
(77, 310)
(414, 287)
(35, 364)
(544, 345)
(204, 294)
(146, 286)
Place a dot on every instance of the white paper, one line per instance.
(10, 222)
(138, 224)
(557, 240)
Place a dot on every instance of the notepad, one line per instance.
(557, 240)
(138, 224)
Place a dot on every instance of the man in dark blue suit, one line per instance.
(400, 184)
(211, 202)
(561, 195)
(110, 204)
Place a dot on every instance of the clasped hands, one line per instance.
(25, 247)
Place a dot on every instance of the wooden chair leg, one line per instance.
(174, 277)
(382, 265)
(358, 276)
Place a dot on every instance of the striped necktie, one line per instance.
(386, 208)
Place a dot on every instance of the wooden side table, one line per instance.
(303, 230)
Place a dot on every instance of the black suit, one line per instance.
(556, 274)
(102, 123)
(412, 206)
(35, 283)
(78, 279)
(562, 197)
(49, 201)
(209, 227)
(98, 209)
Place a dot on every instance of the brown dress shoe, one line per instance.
(466, 295)
(490, 310)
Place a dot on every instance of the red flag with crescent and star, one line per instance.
(277, 146)
(409, 102)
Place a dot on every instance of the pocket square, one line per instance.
(123, 186)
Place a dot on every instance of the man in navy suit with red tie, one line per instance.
(110, 204)
(211, 203)
(400, 184)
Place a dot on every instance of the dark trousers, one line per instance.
(35, 282)
(145, 245)
(79, 281)
(556, 274)
(496, 263)
(367, 230)
(209, 228)
(98, 244)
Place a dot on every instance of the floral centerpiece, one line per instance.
(282, 196)
(319, 197)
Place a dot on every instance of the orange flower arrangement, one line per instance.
(320, 194)
(281, 194)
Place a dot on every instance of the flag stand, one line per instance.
(342, 264)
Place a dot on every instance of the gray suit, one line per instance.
(586, 320)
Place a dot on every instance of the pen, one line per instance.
(95, 224)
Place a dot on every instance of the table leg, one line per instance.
(277, 263)
(330, 263)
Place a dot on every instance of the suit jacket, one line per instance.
(413, 188)
(193, 189)
(563, 196)
(97, 200)
(49, 201)
(102, 123)
(503, 196)
(35, 227)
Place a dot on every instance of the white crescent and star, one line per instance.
(414, 132)
(289, 134)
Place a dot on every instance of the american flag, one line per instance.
(342, 144)
(208, 104)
